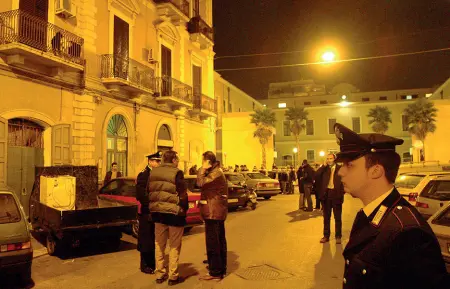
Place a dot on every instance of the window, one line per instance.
(286, 128)
(365, 99)
(408, 181)
(121, 48)
(383, 97)
(9, 212)
(197, 82)
(310, 155)
(443, 219)
(257, 176)
(427, 95)
(405, 123)
(406, 157)
(307, 103)
(166, 71)
(437, 190)
(323, 102)
(282, 105)
(331, 123)
(356, 123)
(287, 160)
(409, 97)
(310, 127)
(117, 143)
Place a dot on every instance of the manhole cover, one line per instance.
(262, 272)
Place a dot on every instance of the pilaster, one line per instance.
(83, 132)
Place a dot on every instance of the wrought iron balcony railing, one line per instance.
(18, 26)
(168, 86)
(203, 102)
(182, 5)
(198, 25)
(118, 66)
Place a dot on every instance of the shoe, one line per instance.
(161, 280)
(324, 240)
(175, 282)
(208, 277)
(205, 261)
(338, 241)
(148, 270)
(309, 210)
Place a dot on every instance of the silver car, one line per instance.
(434, 196)
(16, 254)
(262, 185)
(440, 223)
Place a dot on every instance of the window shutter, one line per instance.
(3, 150)
(61, 145)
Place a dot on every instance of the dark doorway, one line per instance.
(33, 19)
(166, 71)
(121, 48)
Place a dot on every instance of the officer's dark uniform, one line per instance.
(393, 247)
(146, 234)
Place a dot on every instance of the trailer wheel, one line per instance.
(52, 245)
(135, 229)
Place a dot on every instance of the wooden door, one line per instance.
(166, 71)
(121, 48)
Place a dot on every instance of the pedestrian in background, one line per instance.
(300, 182)
(114, 173)
(214, 210)
(168, 207)
(146, 232)
(391, 245)
(193, 170)
(283, 179)
(308, 180)
(331, 192)
(292, 179)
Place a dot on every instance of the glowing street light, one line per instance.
(328, 56)
(322, 153)
(295, 150)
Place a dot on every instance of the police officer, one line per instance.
(391, 245)
(146, 234)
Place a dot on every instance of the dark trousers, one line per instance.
(146, 241)
(216, 247)
(336, 206)
(308, 188)
(318, 202)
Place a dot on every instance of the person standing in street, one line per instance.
(330, 190)
(146, 232)
(391, 245)
(308, 180)
(283, 179)
(300, 183)
(292, 179)
(168, 207)
(114, 173)
(214, 210)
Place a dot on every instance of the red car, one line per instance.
(124, 189)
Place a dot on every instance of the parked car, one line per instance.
(434, 196)
(16, 253)
(440, 223)
(236, 178)
(262, 185)
(124, 189)
(409, 185)
(238, 195)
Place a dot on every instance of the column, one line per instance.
(83, 133)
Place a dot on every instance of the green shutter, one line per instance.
(61, 145)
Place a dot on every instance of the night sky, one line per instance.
(357, 28)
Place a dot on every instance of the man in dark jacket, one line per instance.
(112, 174)
(214, 210)
(330, 190)
(391, 245)
(300, 182)
(308, 180)
(168, 207)
(283, 179)
(146, 233)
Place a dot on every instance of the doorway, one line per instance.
(25, 153)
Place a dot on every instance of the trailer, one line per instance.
(88, 217)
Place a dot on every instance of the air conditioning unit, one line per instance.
(147, 55)
(65, 9)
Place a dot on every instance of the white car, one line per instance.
(440, 223)
(409, 185)
(433, 196)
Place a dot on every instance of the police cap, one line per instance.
(354, 146)
(156, 156)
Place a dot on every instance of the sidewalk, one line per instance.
(38, 248)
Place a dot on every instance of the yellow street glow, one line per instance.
(328, 56)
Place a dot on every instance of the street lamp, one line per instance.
(328, 56)
(295, 150)
(321, 154)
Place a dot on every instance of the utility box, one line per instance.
(58, 192)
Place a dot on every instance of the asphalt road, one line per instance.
(275, 246)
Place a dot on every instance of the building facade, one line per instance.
(345, 105)
(89, 82)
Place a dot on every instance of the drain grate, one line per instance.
(262, 272)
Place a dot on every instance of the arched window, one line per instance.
(165, 141)
(117, 143)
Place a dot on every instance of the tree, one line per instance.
(380, 117)
(297, 116)
(421, 119)
(264, 120)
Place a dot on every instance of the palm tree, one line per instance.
(297, 116)
(264, 120)
(421, 118)
(380, 118)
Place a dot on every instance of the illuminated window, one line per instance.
(282, 105)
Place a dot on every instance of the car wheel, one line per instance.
(25, 276)
(135, 229)
(52, 245)
(267, 197)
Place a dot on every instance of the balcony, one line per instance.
(176, 10)
(204, 106)
(173, 93)
(119, 72)
(24, 37)
(201, 32)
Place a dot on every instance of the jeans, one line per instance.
(216, 247)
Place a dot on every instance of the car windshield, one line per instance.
(191, 184)
(234, 178)
(408, 181)
(443, 219)
(128, 188)
(257, 176)
(9, 211)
